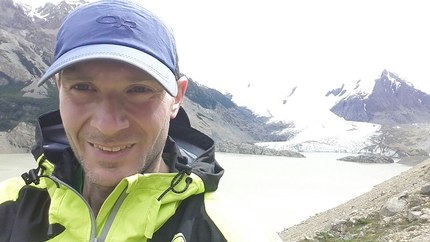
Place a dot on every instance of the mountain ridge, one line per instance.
(21, 100)
(357, 117)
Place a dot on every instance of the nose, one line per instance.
(109, 116)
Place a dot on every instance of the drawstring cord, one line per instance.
(184, 170)
(175, 181)
(34, 175)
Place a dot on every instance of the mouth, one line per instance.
(112, 148)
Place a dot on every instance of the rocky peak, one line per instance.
(337, 91)
(393, 80)
(395, 95)
(391, 101)
(360, 89)
(384, 73)
(50, 16)
(14, 15)
(27, 38)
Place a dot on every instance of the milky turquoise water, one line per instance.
(277, 191)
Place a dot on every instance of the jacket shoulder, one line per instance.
(23, 208)
(190, 223)
(9, 189)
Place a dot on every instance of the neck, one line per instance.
(96, 195)
(158, 167)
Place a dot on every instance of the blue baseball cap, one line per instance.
(119, 31)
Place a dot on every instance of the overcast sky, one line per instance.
(274, 45)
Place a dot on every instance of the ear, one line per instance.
(182, 87)
(57, 80)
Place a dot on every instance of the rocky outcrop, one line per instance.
(245, 148)
(404, 217)
(400, 141)
(18, 140)
(22, 136)
(368, 159)
(352, 108)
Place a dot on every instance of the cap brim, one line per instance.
(120, 53)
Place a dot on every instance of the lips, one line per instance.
(111, 149)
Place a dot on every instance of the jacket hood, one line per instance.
(188, 149)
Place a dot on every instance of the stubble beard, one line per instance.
(147, 160)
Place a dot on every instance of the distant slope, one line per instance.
(216, 115)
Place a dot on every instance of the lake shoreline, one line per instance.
(409, 182)
(300, 179)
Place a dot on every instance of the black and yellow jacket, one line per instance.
(45, 204)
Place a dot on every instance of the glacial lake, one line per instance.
(278, 191)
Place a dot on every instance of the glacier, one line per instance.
(316, 128)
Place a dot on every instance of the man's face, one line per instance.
(116, 118)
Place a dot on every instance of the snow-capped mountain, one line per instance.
(355, 117)
(27, 8)
(390, 101)
(49, 15)
(27, 35)
(349, 118)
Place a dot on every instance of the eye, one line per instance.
(141, 89)
(81, 87)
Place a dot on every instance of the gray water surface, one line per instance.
(278, 191)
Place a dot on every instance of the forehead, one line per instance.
(105, 68)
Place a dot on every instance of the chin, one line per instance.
(106, 179)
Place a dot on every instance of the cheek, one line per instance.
(154, 112)
(153, 121)
(149, 118)
(72, 115)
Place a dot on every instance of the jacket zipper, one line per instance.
(93, 219)
(111, 217)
